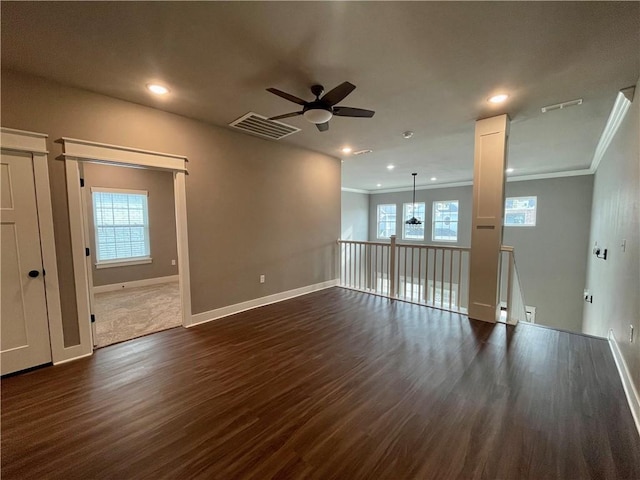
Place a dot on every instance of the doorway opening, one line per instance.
(127, 217)
(131, 228)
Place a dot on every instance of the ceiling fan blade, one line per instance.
(286, 115)
(338, 94)
(287, 96)
(323, 127)
(352, 112)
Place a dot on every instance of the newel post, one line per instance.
(392, 268)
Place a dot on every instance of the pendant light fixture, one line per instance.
(413, 220)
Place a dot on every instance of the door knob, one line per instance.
(34, 273)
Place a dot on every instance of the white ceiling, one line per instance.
(422, 66)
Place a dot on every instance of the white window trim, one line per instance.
(519, 225)
(124, 262)
(404, 225)
(119, 190)
(120, 262)
(378, 220)
(433, 221)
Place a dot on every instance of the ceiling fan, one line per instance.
(320, 110)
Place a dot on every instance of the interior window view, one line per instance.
(445, 221)
(520, 211)
(320, 240)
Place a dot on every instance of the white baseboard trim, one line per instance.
(67, 360)
(135, 283)
(211, 315)
(629, 388)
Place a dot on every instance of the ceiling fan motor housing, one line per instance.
(317, 90)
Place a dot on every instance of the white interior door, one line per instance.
(24, 331)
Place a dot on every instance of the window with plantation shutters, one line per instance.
(121, 220)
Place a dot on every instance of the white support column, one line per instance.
(490, 158)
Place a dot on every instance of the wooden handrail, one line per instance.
(410, 245)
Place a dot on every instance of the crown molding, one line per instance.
(355, 190)
(521, 178)
(618, 112)
(544, 176)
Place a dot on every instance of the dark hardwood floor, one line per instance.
(332, 385)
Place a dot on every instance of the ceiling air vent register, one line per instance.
(560, 106)
(263, 127)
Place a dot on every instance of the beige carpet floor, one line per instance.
(129, 313)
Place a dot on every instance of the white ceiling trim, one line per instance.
(522, 178)
(422, 187)
(544, 176)
(354, 190)
(618, 112)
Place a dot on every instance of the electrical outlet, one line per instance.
(262, 278)
(587, 296)
(173, 262)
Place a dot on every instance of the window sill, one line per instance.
(124, 263)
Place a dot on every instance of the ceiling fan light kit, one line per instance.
(317, 115)
(323, 108)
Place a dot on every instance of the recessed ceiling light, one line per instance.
(433, 179)
(346, 149)
(157, 89)
(379, 185)
(390, 167)
(498, 98)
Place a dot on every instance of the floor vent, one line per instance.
(263, 127)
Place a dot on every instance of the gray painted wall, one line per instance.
(254, 206)
(615, 283)
(355, 216)
(549, 256)
(162, 220)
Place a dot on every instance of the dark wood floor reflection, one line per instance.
(332, 385)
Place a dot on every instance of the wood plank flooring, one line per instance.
(332, 385)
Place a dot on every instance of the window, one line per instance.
(121, 220)
(445, 221)
(520, 211)
(386, 221)
(413, 232)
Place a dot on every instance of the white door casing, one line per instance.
(75, 153)
(24, 339)
(34, 144)
(24, 335)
